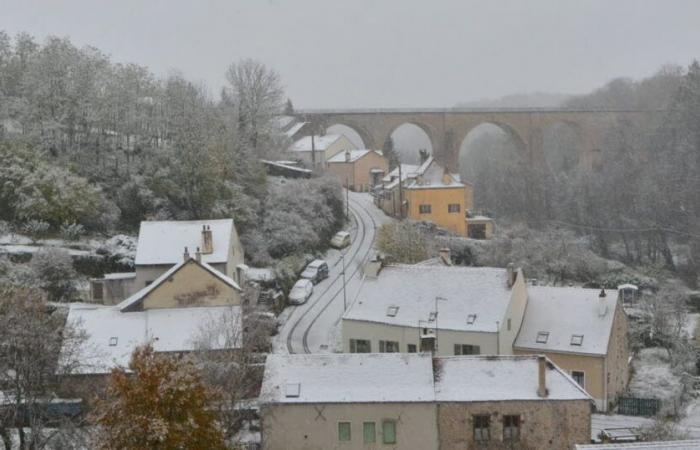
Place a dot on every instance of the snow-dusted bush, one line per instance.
(121, 248)
(36, 229)
(54, 269)
(72, 231)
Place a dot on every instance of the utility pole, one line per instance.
(437, 298)
(313, 150)
(400, 194)
(345, 301)
(347, 199)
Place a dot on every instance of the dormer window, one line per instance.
(392, 311)
(113, 341)
(471, 318)
(542, 337)
(576, 339)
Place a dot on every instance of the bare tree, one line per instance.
(32, 336)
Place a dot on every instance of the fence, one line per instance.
(635, 406)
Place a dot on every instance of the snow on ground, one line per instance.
(654, 378)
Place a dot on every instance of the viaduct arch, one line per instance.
(447, 128)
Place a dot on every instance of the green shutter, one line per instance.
(389, 432)
(369, 432)
(343, 431)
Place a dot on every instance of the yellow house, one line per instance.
(427, 193)
(583, 331)
(359, 170)
(324, 148)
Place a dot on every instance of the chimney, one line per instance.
(347, 156)
(186, 255)
(542, 376)
(602, 304)
(445, 256)
(511, 274)
(207, 241)
(198, 255)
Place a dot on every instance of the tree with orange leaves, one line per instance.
(159, 403)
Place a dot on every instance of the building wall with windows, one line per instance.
(318, 426)
(357, 174)
(434, 205)
(405, 336)
(617, 361)
(553, 424)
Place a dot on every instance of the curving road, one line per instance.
(314, 327)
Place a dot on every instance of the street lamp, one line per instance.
(345, 302)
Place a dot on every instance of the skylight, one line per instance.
(542, 337)
(471, 318)
(113, 341)
(576, 339)
(292, 390)
(392, 311)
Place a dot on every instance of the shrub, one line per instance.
(54, 269)
(72, 231)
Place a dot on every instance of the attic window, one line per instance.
(471, 318)
(291, 390)
(542, 337)
(432, 316)
(392, 311)
(576, 339)
(113, 341)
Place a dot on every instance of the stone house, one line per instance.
(427, 192)
(358, 170)
(161, 245)
(584, 331)
(416, 402)
(449, 310)
(324, 147)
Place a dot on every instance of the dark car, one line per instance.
(316, 271)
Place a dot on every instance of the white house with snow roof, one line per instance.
(192, 305)
(449, 310)
(584, 331)
(415, 401)
(324, 148)
(161, 245)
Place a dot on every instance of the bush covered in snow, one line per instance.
(54, 270)
(72, 231)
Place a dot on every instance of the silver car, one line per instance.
(301, 291)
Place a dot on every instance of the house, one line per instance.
(584, 331)
(324, 148)
(419, 402)
(358, 170)
(189, 302)
(161, 245)
(480, 227)
(685, 444)
(450, 310)
(427, 192)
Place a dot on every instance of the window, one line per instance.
(113, 341)
(343, 431)
(481, 428)
(579, 377)
(471, 318)
(453, 208)
(388, 347)
(542, 337)
(465, 349)
(392, 311)
(511, 428)
(369, 433)
(148, 282)
(508, 324)
(576, 339)
(360, 346)
(424, 209)
(412, 348)
(389, 432)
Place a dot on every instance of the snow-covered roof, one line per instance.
(628, 286)
(488, 378)
(354, 155)
(567, 319)
(163, 242)
(321, 143)
(691, 444)
(348, 378)
(284, 121)
(119, 275)
(137, 297)
(465, 291)
(431, 175)
(113, 335)
(409, 377)
(294, 129)
(260, 274)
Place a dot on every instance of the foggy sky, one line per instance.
(382, 53)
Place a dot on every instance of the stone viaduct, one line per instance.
(447, 128)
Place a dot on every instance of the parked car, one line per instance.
(301, 291)
(341, 239)
(316, 271)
